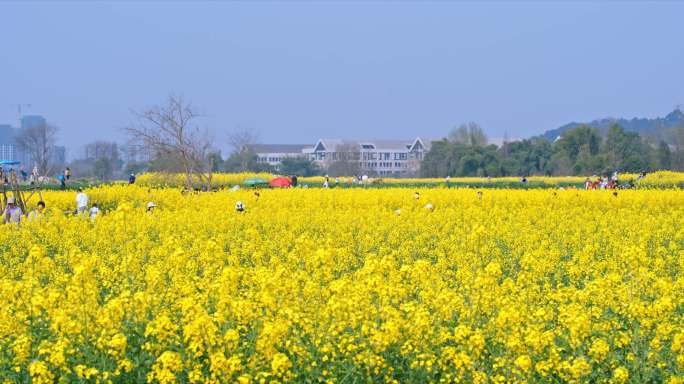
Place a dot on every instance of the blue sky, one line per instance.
(297, 71)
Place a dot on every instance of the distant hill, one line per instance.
(656, 127)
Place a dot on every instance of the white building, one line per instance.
(274, 154)
(379, 157)
(373, 157)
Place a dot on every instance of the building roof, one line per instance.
(378, 145)
(277, 148)
(28, 121)
(391, 144)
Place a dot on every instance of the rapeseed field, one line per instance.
(346, 286)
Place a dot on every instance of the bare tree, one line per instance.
(241, 138)
(346, 161)
(38, 141)
(470, 134)
(168, 132)
(105, 158)
(99, 149)
(239, 142)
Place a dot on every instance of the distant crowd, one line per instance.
(611, 182)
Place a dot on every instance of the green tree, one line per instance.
(437, 161)
(526, 157)
(676, 138)
(664, 156)
(245, 161)
(299, 166)
(577, 151)
(625, 151)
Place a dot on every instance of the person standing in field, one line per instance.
(81, 202)
(38, 214)
(93, 212)
(34, 175)
(131, 179)
(67, 173)
(12, 212)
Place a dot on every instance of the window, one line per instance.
(373, 156)
(7, 152)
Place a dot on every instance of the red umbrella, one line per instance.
(280, 182)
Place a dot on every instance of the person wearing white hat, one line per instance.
(12, 212)
(150, 207)
(239, 206)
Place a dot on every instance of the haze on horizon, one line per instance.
(296, 72)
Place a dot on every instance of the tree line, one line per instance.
(578, 151)
(167, 138)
